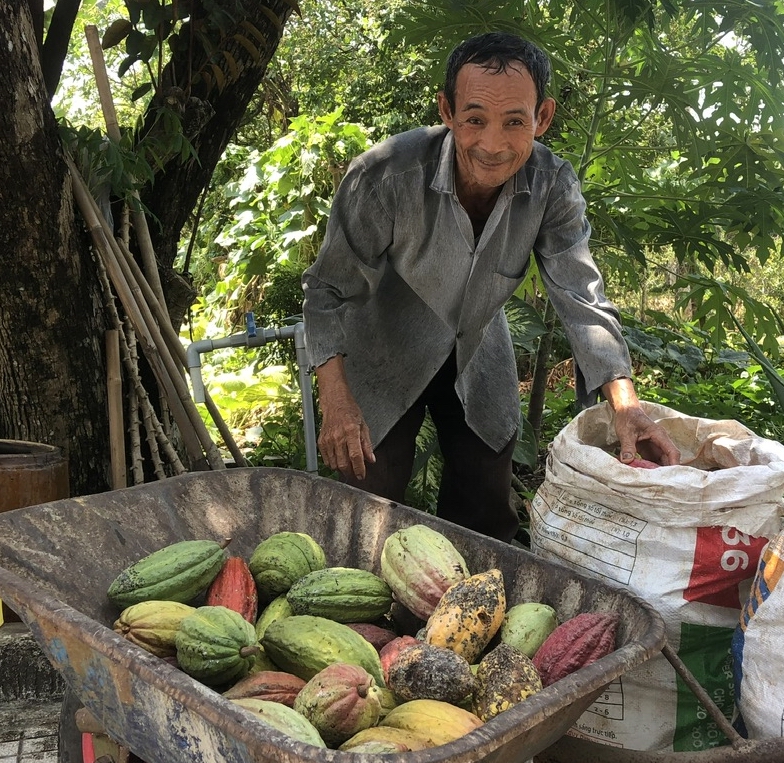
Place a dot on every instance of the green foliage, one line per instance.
(668, 112)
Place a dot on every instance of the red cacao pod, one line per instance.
(390, 652)
(340, 701)
(235, 589)
(375, 634)
(578, 642)
(271, 685)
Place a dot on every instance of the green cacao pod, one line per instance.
(527, 625)
(419, 564)
(277, 609)
(281, 560)
(304, 645)
(340, 701)
(343, 594)
(283, 718)
(216, 645)
(153, 625)
(177, 572)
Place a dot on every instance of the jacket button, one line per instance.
(459, 334)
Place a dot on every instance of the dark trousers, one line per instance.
(476, 480)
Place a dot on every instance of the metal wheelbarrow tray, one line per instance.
(57, 560)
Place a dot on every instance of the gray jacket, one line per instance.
(400, 282)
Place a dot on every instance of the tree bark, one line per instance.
(52, 386)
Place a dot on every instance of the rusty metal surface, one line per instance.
(58, 559)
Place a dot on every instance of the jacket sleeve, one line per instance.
(576, 289)
(349, 266)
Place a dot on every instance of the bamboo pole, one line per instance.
(178, 351)
(113, 130)
(116, 429)
(191, 426)
(154, 431)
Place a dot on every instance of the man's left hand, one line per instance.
(636, 431)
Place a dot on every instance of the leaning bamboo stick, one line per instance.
(116, 428)
(178, 351)
(189, 431)
(113, 130)
(137, 284)
(153, 430)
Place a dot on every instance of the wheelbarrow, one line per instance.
(57, 560)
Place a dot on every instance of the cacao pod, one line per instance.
(380, 734)
(216, 645)
(234, 588)
(176, 572)
(281, 560)
(527, 625)
(342, 594)
(504, 678)
(340, 701)
(379, 637)
(419, 564)
(270, 685)
(578, 642)
(436, 722)
(153, 625)
(390, 651)
(424, 671)
(304, 645)
(283, 718)
(468, 615)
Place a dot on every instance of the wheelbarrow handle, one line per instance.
(710, 706)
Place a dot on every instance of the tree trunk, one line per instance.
(52, 320)
(52, 387)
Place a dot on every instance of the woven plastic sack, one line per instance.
(758, 657)
(686, 538)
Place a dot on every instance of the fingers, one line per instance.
(346, 447)
(637, 433)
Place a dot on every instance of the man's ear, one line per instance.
(444, 109)
(545, 116)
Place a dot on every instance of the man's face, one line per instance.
(494, 123)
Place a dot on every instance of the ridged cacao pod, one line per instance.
(424, 671)
(281, 560)
(504, 677)
(234, 588)
(419, 564)
(340, 701)
(407, 740)
(304, 645)
(436, 722)
(153, 625)
(216, 645)
(468, 615)
(270, 685)
(578, 642)
(177, 572)
(342, 594)
(283, 718)
(527, 625)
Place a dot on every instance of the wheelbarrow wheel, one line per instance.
(70, 738)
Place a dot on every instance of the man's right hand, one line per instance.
(344, 441)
